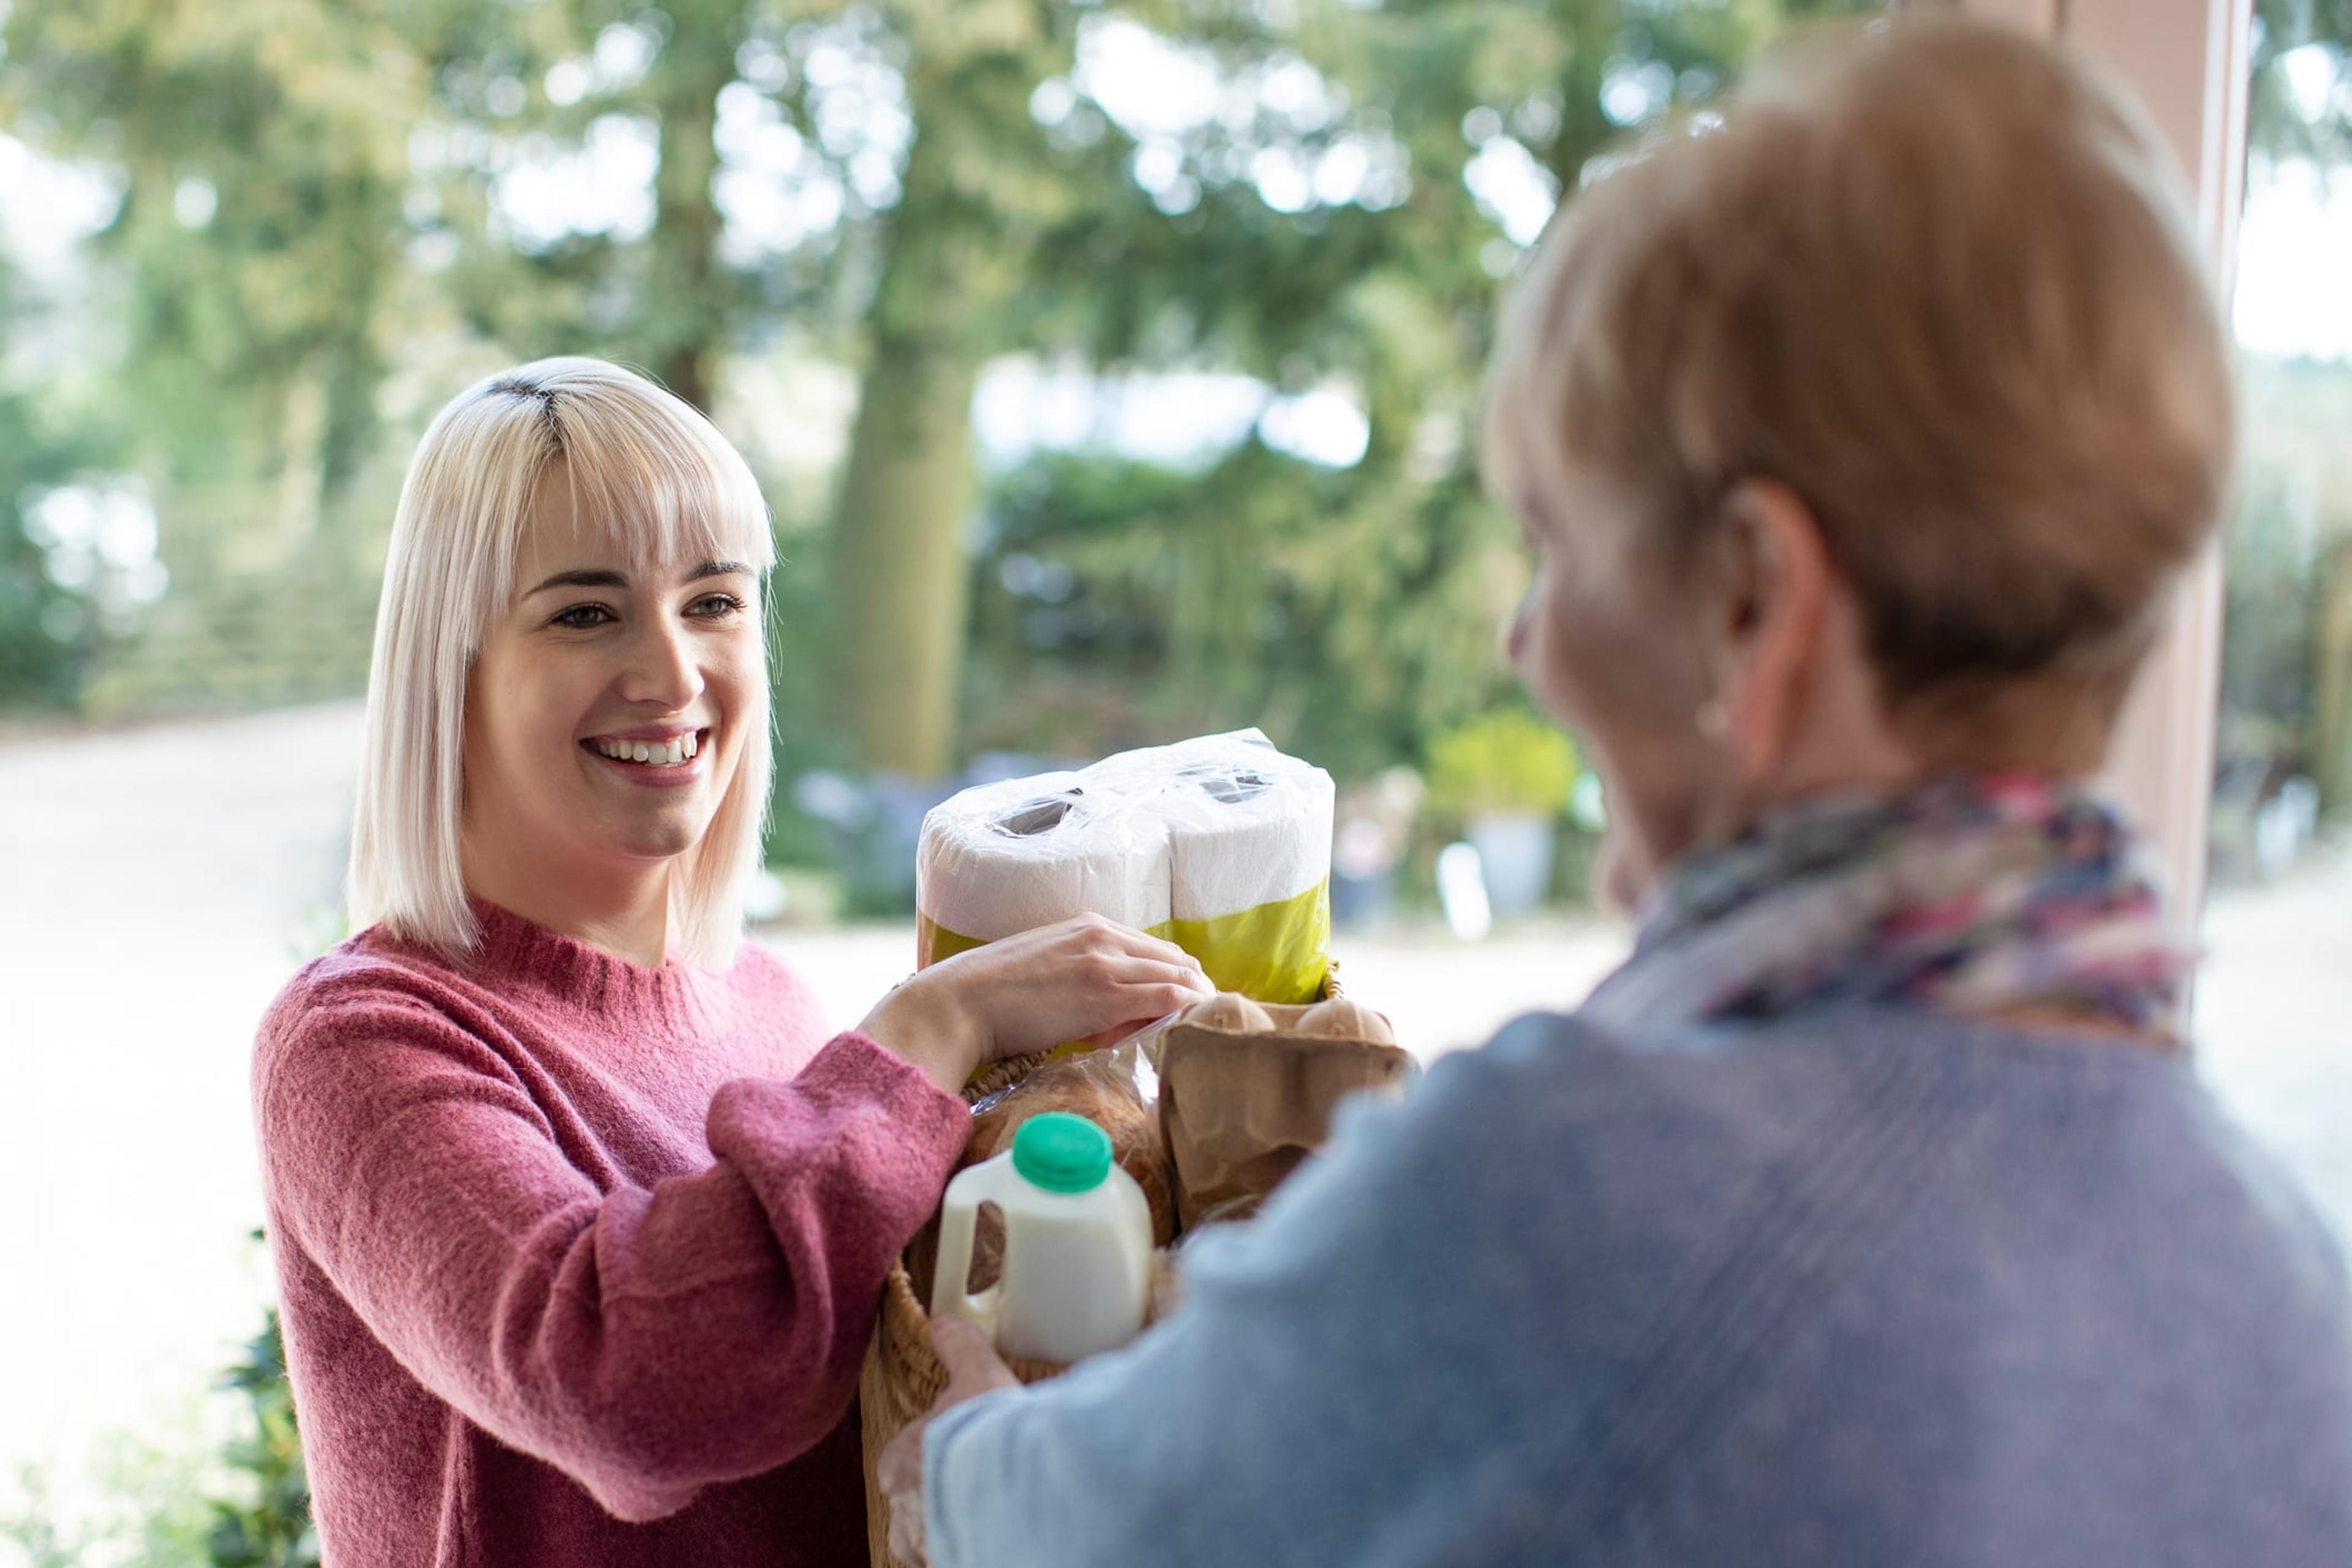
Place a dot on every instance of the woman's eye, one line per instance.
(714, 606)
(581, 616)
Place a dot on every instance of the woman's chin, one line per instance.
(652, 835)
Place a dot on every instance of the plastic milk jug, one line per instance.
(1077, 1244)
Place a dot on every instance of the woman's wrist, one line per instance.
(930, 1031)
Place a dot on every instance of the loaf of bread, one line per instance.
(1103, 1090)
(1102, 1087)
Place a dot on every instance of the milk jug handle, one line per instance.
(959, 1217)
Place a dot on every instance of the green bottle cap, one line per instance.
(1062, 1152)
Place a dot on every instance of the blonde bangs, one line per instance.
(650, 478)
(653, 487)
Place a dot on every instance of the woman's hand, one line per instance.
(1087, 979)
(974, 1369)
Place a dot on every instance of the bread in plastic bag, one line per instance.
(1117, 1090)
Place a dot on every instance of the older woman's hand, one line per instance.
(1087, 979)
(974, 1369)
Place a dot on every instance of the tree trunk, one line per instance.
(902, 569)
(687, 301)
(900, 562)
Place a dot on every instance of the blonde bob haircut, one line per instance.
(657, 483)
(1940, 279)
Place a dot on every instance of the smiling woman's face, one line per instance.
(605, 714)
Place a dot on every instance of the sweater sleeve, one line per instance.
(644, 1342)
(1328, 1355)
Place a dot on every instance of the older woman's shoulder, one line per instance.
(1722, 1090)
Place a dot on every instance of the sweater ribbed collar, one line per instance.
(517, 951)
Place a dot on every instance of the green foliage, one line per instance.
(269, 1525)
(1507, 763)
(311, 212)
(177, 1506)
(2278, 121)
(49, 632)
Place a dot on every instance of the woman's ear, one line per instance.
(1775, 584)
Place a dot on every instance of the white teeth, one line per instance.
(656, 754)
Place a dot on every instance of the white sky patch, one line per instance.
(1632, 90)
(1148, 84)
(1512, 188)
(2312, 79)
(623, 55)
(1162, 93)
(2295, 261)
(605, 185)
(1182, 419)
(48, 207)
(1324, 426)
(194, 202)
(99, 538)
(773, 190)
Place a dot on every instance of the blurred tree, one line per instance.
(525, 103)
(2301, 104)
(1341, 219)
(262, 148)
(50, 625)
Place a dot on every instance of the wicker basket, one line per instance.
(902, 1376)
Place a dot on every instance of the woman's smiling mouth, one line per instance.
(667, 750)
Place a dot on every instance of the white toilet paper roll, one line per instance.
(1009, 857)
(1244, 830)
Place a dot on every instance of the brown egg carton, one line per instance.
(1241, 1105)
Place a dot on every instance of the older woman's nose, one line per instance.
(1519, 626)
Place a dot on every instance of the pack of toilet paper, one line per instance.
(1219, 844)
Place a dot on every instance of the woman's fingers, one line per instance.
(1137, 970)
(1096, 934)
(973, 1366)
(973, 1369)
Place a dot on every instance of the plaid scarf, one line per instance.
(1972, 895)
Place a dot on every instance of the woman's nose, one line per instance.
(663, 667)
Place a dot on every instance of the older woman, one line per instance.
(580, 1219)
(1870, 1213)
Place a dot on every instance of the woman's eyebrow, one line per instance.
(592, 578)
(605, 577)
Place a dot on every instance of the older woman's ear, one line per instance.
(1796, 693)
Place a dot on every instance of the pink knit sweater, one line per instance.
(578, 1259)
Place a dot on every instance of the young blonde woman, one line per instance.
(1870, 1214)
(578, 1218)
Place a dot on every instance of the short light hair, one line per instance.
(1940, 279)
(661, 482)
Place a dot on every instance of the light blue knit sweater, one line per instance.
(1862, 1287)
